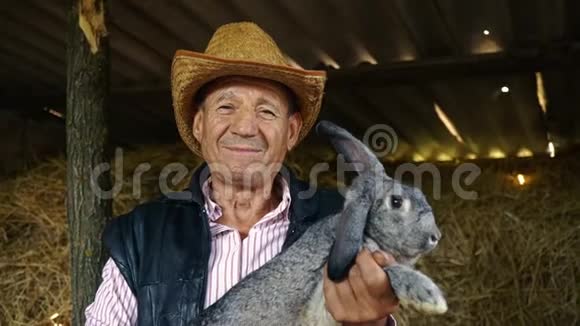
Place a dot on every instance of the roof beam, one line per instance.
(456, 67)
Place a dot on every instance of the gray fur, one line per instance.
(287, 290)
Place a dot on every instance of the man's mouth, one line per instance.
(243, 150)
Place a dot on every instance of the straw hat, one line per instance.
(242, 49)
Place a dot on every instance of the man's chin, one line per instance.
(241, 171)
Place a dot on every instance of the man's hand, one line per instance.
(365, 296)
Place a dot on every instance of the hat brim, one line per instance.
(191, 70)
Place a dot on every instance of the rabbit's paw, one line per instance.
(414, 289)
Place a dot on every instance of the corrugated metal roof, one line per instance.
(396, 59)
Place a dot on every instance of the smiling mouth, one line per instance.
(242, 149)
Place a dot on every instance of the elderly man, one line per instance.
(242, 107)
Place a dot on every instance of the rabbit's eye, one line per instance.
(396, 201)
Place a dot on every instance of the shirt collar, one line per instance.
(301, 210)
(214, 211)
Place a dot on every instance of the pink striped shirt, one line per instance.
(231, 259)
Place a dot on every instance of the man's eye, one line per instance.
(268, 114)
(225, 108)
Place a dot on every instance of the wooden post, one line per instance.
(86, 138)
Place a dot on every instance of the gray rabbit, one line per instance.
(378, 213)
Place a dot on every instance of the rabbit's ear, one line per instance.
(353, 150)
(349, 231)
(351, 224)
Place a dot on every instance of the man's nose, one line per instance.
(245, 123)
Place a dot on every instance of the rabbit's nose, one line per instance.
(434, 238)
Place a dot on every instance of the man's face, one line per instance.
(244, 127)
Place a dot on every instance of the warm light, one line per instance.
(447, 122)
(496, 153)
(444, 157)
(363, 53)
(505, 89)
(521, 179)
(292, 62)
(471, 156)
(54, 112)
(327, 60)
(524, 152)
(541, 92)
(485, 44)
(407, 56)
(53, 317)
(551, 149)
(418, 158)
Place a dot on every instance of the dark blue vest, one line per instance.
(162, 247)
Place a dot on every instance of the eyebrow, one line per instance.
(226, 96)
(263, 100)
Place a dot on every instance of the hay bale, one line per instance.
(33, 246)
(509, 257)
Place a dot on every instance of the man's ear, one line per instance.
(198, 125)
(294, 127)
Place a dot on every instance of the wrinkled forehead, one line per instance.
(267, 88)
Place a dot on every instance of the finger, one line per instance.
(331, 298)
(346, 294)
(371, 272)
(372, 303)
(351, 308)
(376, 280)
(364, 260)
(383, 259)
(359, 287)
